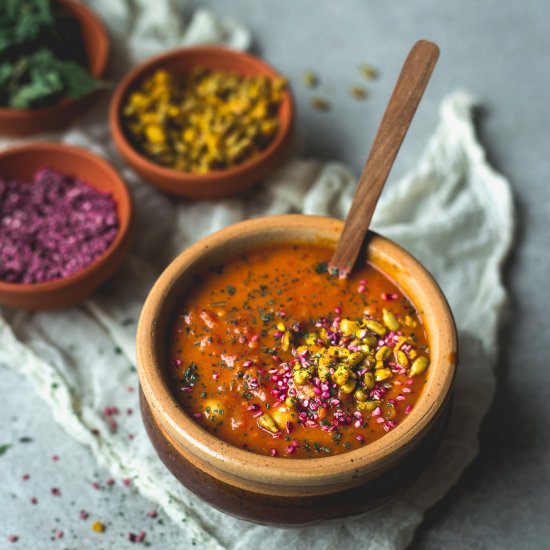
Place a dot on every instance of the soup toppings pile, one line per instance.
(209, 121)
(274, 355)
(53, 226)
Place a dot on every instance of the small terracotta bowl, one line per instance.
(21, 163)
(24, 122)
(221, 183)
(284, 491)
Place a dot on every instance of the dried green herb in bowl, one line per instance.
(42, 55)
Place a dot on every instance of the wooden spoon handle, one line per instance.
(405, 98)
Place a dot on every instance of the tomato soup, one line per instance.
(273, 354)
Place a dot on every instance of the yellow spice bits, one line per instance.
(209, 121)
(98, 527)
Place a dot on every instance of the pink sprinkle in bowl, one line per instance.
(21, 163)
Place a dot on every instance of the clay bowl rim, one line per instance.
(86, 17)
(368, 461)
(125, 225)
(138, 73)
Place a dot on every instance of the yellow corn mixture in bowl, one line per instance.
(204, 122)
(208, 120)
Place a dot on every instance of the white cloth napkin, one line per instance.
(452, 211)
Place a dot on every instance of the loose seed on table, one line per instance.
(358, 92)
(319, 104)
(368, 71)
(311, 80)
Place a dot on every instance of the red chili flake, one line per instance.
(34, 500)
(132, 537)
(84, 514)
(110, 481)
(129, 411)
(152, 514)
(56, 492)
(126, 482)
(52, 227)
(58, 534)
(25, 477)
(131, 437)
(12, 538)
(55, 458)
(95, 485)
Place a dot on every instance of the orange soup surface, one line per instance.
(273, 354)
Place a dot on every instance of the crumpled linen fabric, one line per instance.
(452, 211)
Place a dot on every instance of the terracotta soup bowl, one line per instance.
(290, 491)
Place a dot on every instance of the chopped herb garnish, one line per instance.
(321, 267)
(4, 448)
(191, 375)
(266, 317)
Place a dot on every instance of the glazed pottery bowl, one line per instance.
(21, 163)
(216, 184)
(286, 491)
(23, 122)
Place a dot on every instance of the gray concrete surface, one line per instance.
(499, 50)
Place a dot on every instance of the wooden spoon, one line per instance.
(404, 100)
